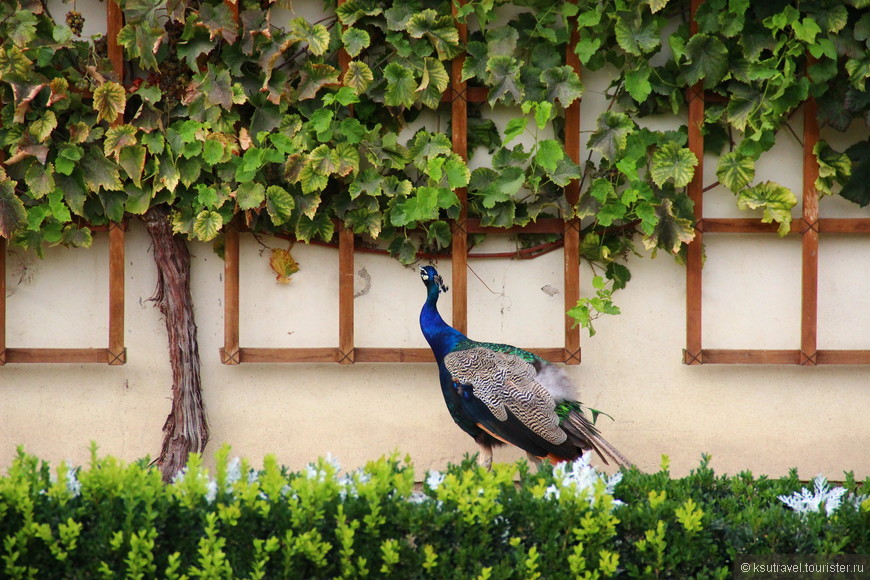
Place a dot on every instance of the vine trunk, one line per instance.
(186, 427)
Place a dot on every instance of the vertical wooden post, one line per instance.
(346, 348)
(117, 351)
(114, 23)
(230, 354)
(2, 301)
(810, 239)
(572, 226)
(345, 295)
(459, 124)
(694, 260)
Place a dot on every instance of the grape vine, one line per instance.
(252, 119)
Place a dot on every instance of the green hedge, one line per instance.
(116, 520)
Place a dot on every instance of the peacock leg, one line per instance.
(484, 458)
(536, 461)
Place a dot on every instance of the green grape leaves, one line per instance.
(773, 199)
(401, 86)
(670, 231)
(256, 117)
(12, 211)
(834, 168)
(503, 77)
(109, 101)
(707, 60)
(673, 163)
(439, 30)
(735, 170)
(207, 225)
(283, 264)
(855, 188)
(611, 135)
(636, 34)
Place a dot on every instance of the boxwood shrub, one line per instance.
(110, 519)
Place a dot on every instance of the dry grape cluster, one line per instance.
(75, 21)
(174, 74)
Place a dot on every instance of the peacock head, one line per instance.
(430, 277)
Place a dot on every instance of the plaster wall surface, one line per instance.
(763, 418)
(766, 419)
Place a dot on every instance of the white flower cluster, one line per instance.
(350, 481)
(581, 478)
(434, 479)
(314, 471)
(578, 478)
(72, 482)
(73, 485)
(234, 474)
(806, 501)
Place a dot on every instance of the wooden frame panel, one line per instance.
(458, 95)
(116, 352)
(809, 226)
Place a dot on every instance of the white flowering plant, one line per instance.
(823, 498)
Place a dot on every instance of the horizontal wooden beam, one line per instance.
(773, 357)
(750, 356)
(371, 355)
(842, 357)
(273, 355)
(60, 355)
(557, 354)
(541, 226)
(744, 226)
(378, 355)
(798, 226)
(844, 225)
(472, 95)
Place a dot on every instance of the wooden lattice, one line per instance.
(809, 226)
(115, 353)
(458, 95)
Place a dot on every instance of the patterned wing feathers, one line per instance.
(505, 382)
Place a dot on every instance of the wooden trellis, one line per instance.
(458, 95)
(116, 352)
(809, 226)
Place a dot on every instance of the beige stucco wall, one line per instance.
(763, 418)
(766, 419)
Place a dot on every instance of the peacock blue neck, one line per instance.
(442, 337)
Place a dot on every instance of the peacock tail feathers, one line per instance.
(578, 428)
(565, 408)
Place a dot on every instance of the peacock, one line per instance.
(501, 394)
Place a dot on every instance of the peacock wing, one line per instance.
(505, 383)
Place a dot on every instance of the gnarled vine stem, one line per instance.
(186, 427)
